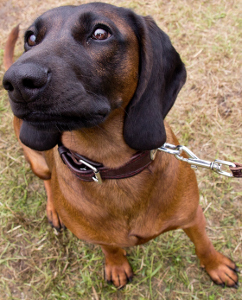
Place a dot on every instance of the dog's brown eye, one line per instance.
(31, 40)
(100, 34)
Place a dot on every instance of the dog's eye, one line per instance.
(31, 40)
(100, 34)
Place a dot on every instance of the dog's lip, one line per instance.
(46, 117)
(50, 121)
(36, 117)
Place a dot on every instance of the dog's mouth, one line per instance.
(52, 122)
(41, 131)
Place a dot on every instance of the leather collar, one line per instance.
(88, 170)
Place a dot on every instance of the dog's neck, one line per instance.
(103, 143)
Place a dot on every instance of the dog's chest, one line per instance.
(111, 213)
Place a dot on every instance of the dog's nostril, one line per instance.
(8, 86)
(28, 83)
(35, 80)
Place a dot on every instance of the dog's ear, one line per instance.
(161, 76)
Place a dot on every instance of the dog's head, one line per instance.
(81, 63)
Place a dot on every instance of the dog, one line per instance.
(89, 97)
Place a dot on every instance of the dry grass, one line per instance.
(37, 264)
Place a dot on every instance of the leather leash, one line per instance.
(237, 171)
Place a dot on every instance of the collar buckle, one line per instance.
(97, 176)
(153, 154)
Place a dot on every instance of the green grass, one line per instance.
(38, 263)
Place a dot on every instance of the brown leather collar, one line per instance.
(88, 170)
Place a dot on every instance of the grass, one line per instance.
(37, 263)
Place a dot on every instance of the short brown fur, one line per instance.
(126, 212)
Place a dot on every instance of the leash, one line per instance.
(194, 161)
(90, 171)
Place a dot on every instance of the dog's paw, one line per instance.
(222, 271)
(119, 273)
(53, 218)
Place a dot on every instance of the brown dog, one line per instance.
(100, 80)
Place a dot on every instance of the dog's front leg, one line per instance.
(221, 269)
(51, 212)
(117, 268)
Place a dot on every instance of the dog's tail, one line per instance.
(9, 48)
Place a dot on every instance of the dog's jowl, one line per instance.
(89, 96)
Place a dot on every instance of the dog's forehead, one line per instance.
(70, 16)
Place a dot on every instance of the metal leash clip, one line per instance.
(194, 161)
(217, 164)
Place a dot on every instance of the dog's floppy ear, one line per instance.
(161, 76)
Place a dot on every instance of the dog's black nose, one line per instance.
(25, 81)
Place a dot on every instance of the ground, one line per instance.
(37, 263)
